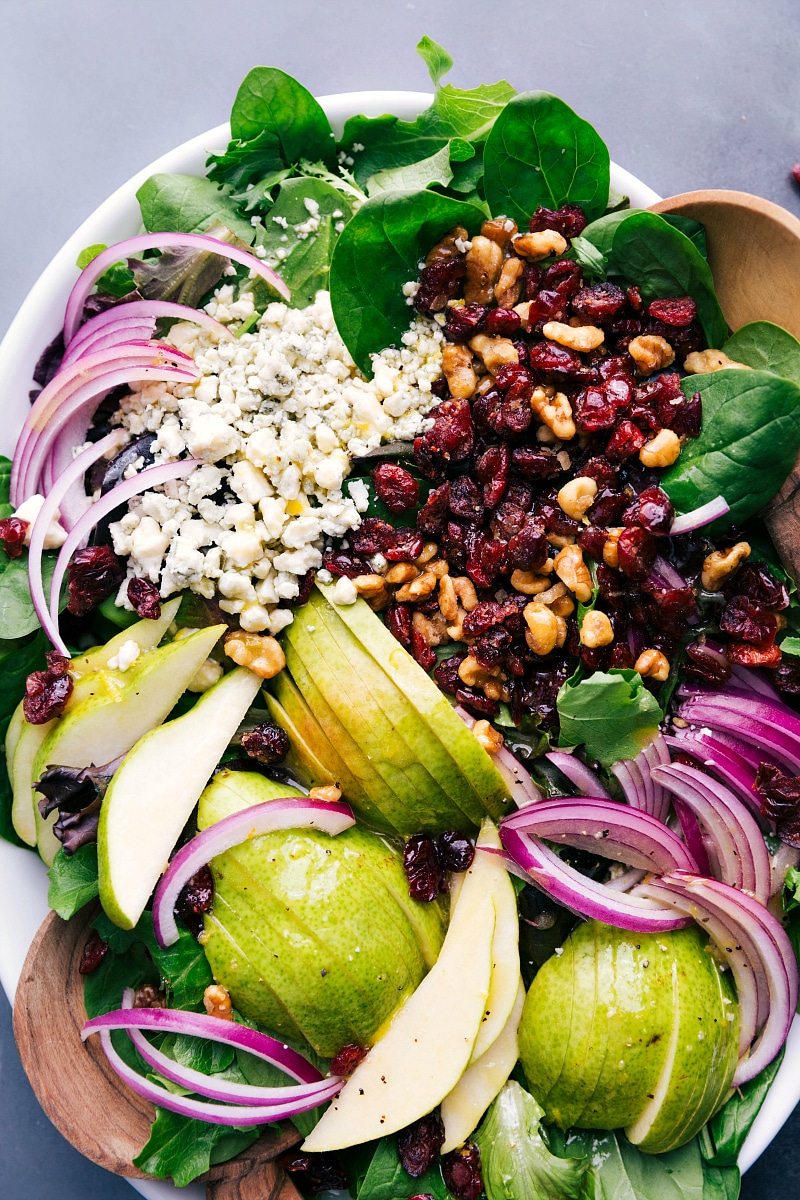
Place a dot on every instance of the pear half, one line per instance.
(429, 1041)
(152, 795)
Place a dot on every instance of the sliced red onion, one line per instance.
(629, 778)
(699, 517)
(47, 513)
(740, 700)
(146, 311)
(606, 828)
(723, 762)
(627, 880)
(546, 871)
(667, 573)
(285, 813)
(121, 494)
(140, 331)
(158, 241)
(655, 755)
(585, 780)
(783, 746)
(690, 828)
(752, 755)
(753, 681)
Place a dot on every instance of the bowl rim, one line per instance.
(36, 322)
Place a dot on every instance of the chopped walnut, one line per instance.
(563, 606)
(465, 590)
(417, 589)
(370, 586)
(217, 1001)
(259, 653)
(328, 794)
(555, 411)
(487, 736)
(534, 246)
(484, 263)
(448, 247)
(596, 630)
(542, 632)
(148, 996)
(448, 601)
(611, 547)
(496, 352)
(509, 286)
(429, 551)
(703, 362)
(458, 370)
(402, 572)
(500, 230)
(473, 674)
(650, 353)
(572, 570)
(580, 337)
(652, 664)
(577, 496)
(662, 450)
(720, 563)
(555, 592)
(432, 629)
(529, 583)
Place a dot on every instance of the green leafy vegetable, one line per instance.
(601, 232)
(747, 447)
(275, 122)
(181, 1148)
(17, 614)
(413, 176)
(102, 990)
(611, 714)
(541, 152)
(300, 256)
(185, 204)
(651, 253)
(766, 347)
(376, 254)
(723, 1137)
(117, 280)
(73, 881)
(435, 57)
(183, 966)
(515, 1159)
(791, 645)
(380, 1175)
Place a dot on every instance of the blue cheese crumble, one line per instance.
(275, 417)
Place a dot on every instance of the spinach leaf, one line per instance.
(766, 347)
(726, 1132)
(612, 714)
(73, 881)
(183, 966)
(197, 1053)
(275, 122)
(184, 204)
(651, 253)
(181, 1148)
(541, 152)
(515, 1158)
(5, 478)
(414, 176)
(117, 280)
(385, 1178)
(590, 258)
(17, 614)
(601, 232)
(16, 663)
(102, 990)
(376, 254)
(747, 447)
(695, 232)
(302, 254)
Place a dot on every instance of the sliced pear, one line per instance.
(481, 1082)
(429, 1041)
(146, 634)
(21, 750)
(152, 795)
(506, 979)
(15, 727)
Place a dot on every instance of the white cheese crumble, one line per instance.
(29, 510)
(275, 417)
(126, 656)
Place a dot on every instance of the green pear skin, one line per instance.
(306, 931)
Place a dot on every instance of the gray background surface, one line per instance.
(687, 93)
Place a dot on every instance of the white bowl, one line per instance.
(37, 322)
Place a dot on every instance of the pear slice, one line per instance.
(152, 795)
(480, 1084)
(428, 1043)
(15, 727)
(506, 979)
(146, 634)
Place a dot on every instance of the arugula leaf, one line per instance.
(726, 1132)
(73, 880)
(303, 259)
(414, 176)
(515, 1159)
(747, 447)
(275, 122)
(611, 714)
(766, 347)
(541, 152)
(182, 1148)
(17, 615)
(385, 1178)
(651, 253)
(376, 254)
(185, 204)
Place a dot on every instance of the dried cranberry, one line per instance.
(626, 440)
(634, 298)
(646, 419)
(746, 654)
(485, 559)
(569, 220)
(403, 544)
(398, 622)
(636, 549)
(511, 374)
(780, 793)
(536, 463)
(787, 678)
(489, 649)
(93, 574)
(546, 305)
(267, 743)
(371, 535)
(527, 549)
(313, 1173)
(759, 585)
(465, 321)
(616, 366)
(491, 471)
(194, 899)
(550, 359)
(523, 351)
(483, 616)
(349, 1057)
(438, 284)
(533, 281)
(455, 545)
(564, 276)
(621, 657)
(451, 439)
(461, 1171)
(145, 598)
(608, 506)
(599, 407)
(47, 692)
(598, 302)
(476, 702)
(421, 651)
(502, 322)
(507, 519)
(422, 868)
(395, 487)
(688, 420)
(341, 563)
(418, 1146)
(656, 512)
(678, 312)
(455, 851)
(12, 535)
(505, 415)
(600, 469)
(465, 499)
(431, 517)
(446, 673)
(707, 664)
(748, 622)
(93, 954)
(592, 540)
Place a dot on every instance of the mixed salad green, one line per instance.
(383, 197)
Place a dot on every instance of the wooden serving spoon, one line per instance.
(82, 1096)
(754, 255)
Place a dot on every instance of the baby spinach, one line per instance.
(184, 204)
(17, 614)
(611, 714)
(725, 1134)
(301, 256)
(766, 347)
(181, 1148)
(376, 254)
(73, 881)
(601, 232)
(541, 152)
(275, 122)
(382, 1176)
(747, 447)
(413, 176)
(650, 252)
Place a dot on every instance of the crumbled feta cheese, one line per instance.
(126, 656)
(345, 591)
(29, 510)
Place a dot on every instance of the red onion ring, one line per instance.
(607, 828)
(284, 813)
(731, 768)
(154, 241)
(698, 517)
(690, 828)
(133, 311)
(783, 746)
(121, 333)
(585, 780)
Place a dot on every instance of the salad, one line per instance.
(394, 644)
